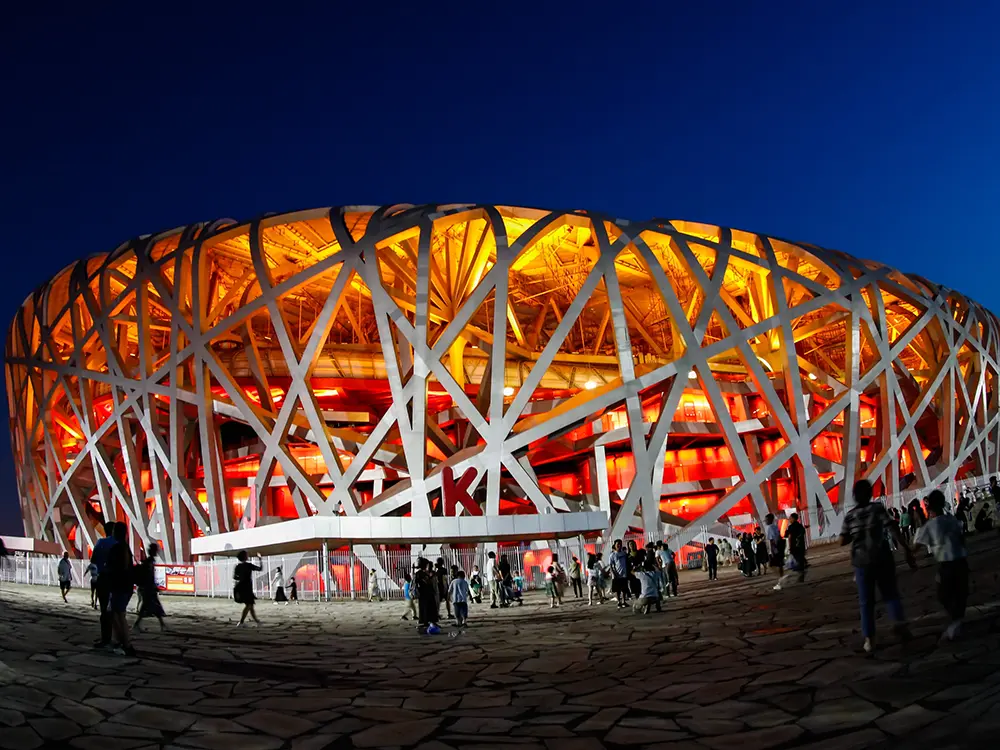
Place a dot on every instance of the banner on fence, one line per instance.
(174, 579)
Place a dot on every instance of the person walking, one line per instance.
(427, 597)
(760, 552)
(712, 556)
(663, 564)
(65, 573)
(795, 536)
(122, 584)
(863, 529)
(492, 580)
(458, 593)
(441, 581)
(293, 590)
(558, 577)
(775, 547)
(618, 563)
(595, 579)
(672, 577)
(91, 571)
(243, 587)
(146, 582)
(576, 577)
(410, 608)
(278, 587)
(373, 591)
(943, 537)
(99, 559)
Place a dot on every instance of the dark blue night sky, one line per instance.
(872, 130)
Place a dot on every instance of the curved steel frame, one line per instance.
(124, 371)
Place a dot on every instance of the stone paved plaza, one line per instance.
(731, 664)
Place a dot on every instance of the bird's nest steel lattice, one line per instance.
(339, 360)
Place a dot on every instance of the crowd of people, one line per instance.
(114, 579)
(632, 576)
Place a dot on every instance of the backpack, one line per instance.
(868, 543)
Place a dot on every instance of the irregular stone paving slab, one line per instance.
(153, 717)
(400, 733)
(278, 724)
(838, 715)
(731, 664)
(908, 720)
(55, 729)
(21, 737)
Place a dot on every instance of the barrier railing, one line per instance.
(350, 574)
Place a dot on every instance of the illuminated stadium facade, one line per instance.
(367, 367)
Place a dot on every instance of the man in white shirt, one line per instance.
(490, 571)
(943, 537)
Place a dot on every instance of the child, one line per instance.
(476, 585)
(942, 535)
(458, 592)
(649, 591)
(411, 607)
(293, 590)
(550, 586)
(712, 557)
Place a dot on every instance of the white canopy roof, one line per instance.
(308, 533)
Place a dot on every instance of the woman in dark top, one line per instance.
(427, 599)
(749, 560)
(243, 587)
(762, 556)
(441, 576)
(146, 583)
(119, 570)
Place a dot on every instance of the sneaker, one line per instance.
(868, 646)
(777, 587)
(118, 651)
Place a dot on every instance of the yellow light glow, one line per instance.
(590, 385)
(508, 391)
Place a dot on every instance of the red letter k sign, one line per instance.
(458, 492)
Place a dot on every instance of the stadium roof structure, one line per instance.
(427, 362)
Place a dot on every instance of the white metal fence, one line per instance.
(351, 569)
(39, 570)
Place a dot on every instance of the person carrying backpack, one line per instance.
(864, 529)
